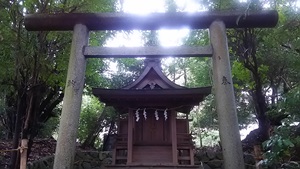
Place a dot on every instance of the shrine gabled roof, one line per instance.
(152, 90)
(182, 100)
(153, 77)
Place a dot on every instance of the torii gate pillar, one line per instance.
(69, 122)
(225, 100)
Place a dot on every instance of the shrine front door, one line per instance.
(152, 129)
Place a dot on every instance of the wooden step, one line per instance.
(152, 155)
(153, 166)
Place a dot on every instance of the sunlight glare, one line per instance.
(267, 5)
(188, 6)
(121, 39)
(166, 37)
(298, 4)
(143, 6)
(172, 37)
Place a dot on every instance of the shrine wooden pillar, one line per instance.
(68, 126)
(173, 115)
(225, 100)
(130, 137)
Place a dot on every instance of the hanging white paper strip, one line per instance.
(145, 114)
(137, 115)
(166, 114)
(156, 115)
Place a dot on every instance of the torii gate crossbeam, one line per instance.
(217, 22)
(154, 21)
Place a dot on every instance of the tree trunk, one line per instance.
(247, 51)
(21, 106)
(261, 109)
(106, 140)
(10, 116)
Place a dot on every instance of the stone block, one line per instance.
(86, 165)
(107, 161)
(203, 158)
(88, 156)
(109, 153)
(205, 166)
(95, 154)
(197, 162)
(247, 166)
(219, 155)
(199, 153)
(80, 155)
(95, 163)
(76, 167)
(215, 163)
(249, 159)
(103, 156)
(211, 155)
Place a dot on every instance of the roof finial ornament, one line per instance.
(152, 62)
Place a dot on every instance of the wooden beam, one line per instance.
(128, 52)
(154, 93)
(174, 137)
(192, 160)
(130, 137)
(154, 21)
(23, 154)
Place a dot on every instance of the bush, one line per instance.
(281, 148)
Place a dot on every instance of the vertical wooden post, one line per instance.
(225, 101)
(114, 153)
(174, 137)
(130, 135)
(66, 143)
(191, 150)
(187, 123)
(23, 152)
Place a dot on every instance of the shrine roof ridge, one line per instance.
(153, 21)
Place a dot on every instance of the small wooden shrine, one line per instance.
(153, 128)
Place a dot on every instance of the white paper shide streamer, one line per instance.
(166, 114)
(137, 116)
(156, 115)
(145, 114)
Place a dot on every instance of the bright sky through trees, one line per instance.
(143, 7)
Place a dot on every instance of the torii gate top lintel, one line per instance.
(154, 21)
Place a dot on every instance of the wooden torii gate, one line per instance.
(217, 22)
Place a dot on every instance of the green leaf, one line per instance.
(288, 143)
